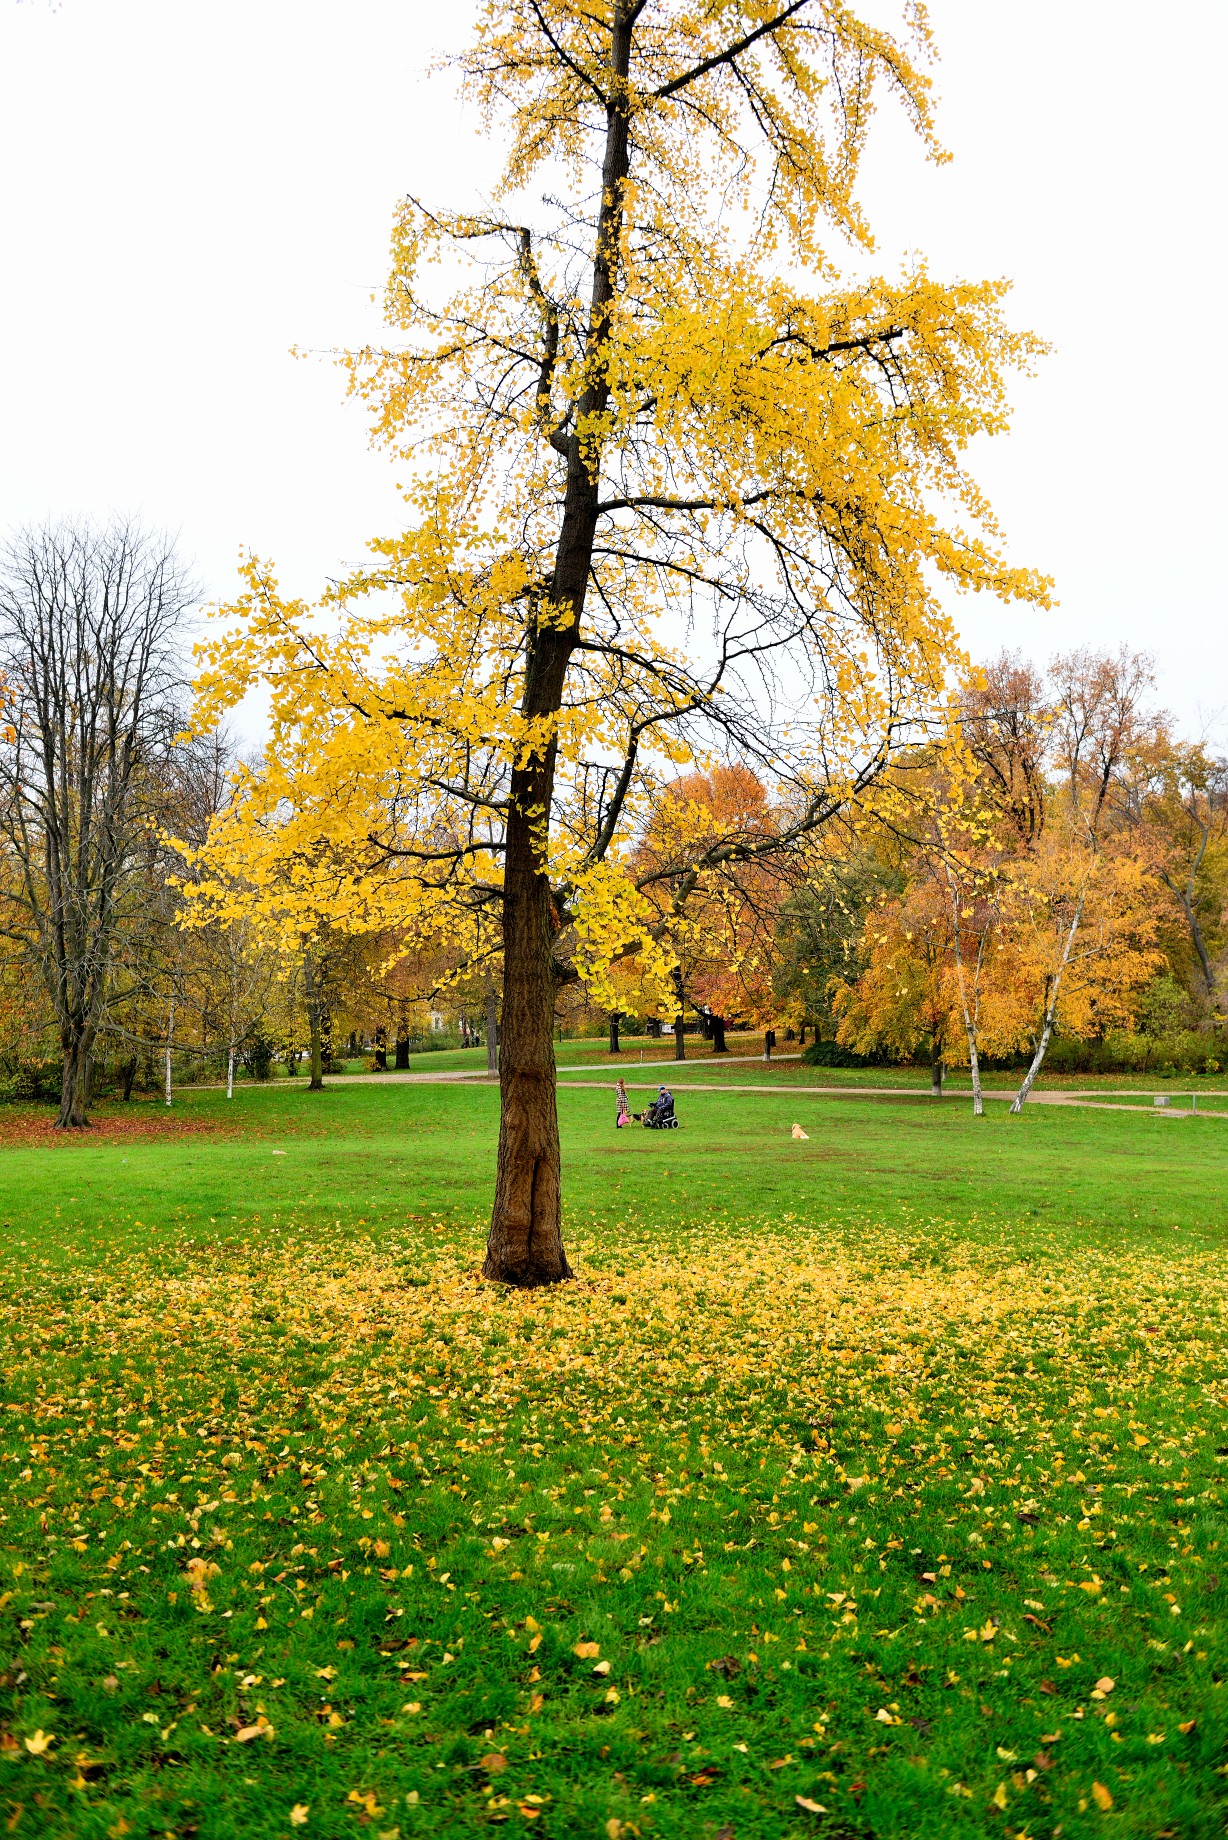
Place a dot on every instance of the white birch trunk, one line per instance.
(230, 1070)
(970, 1013)
(170, 1037)
(1029, 1078)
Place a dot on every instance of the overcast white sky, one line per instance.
(188, 190)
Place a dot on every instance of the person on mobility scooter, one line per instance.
(660, 1115)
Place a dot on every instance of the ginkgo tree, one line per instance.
(675, 495)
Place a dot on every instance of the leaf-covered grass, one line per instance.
(844, 1472)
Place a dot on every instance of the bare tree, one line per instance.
(89, 626)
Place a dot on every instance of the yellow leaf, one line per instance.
(261, 1729)
(299, 1814)
(804, 1801)
(1101, 1796)
(999, 1796)
(40, 1743)
(586, 1650)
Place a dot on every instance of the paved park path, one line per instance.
(603, 1078)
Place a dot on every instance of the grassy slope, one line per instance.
(398, 1154)
(793, 1381)
(660, 1055)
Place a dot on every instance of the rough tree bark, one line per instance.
(615, 1044)
(526, 1242)
(719, 1044)
(938, 1070)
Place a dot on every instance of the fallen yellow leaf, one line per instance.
(261, 1729)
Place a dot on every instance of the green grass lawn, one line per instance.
(658, 1056)
(819, 1504)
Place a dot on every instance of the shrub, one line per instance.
(835, 1054)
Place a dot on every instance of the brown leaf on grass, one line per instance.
(726, 1665)
(493, 1763)
(1046, 1686)
(1042, 1761)
(1029, 1618)
(261, 1729)
(198, 1572)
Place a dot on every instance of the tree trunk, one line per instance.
(1204, 957)
(679, 1037)
(719, 1044)
(937, 1071)
(170, 1042)
(526, 1244)
(492, 1032)
(526, 1241)
(615, 1044)
(402, 1054)
(72, 1112)
(230, 1070)
(971, 1013)
(129, 1076)
(314, 1019)
(1038, 1059)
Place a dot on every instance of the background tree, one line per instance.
(668, 505)
(707, 866)
(91, 623)
(906, 997)
(1175, 800)
(1098, 718)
